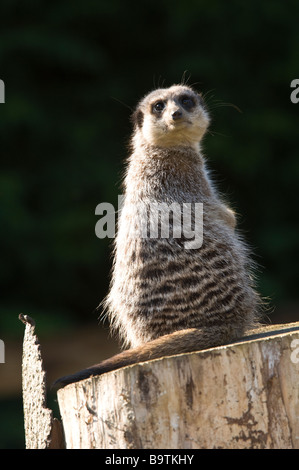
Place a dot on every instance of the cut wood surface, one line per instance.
(243, 395)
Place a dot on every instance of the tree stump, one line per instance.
(243, 395)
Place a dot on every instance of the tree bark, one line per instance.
(243, 395)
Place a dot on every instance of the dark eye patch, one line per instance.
(187, 101)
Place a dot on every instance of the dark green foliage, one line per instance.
(11, 424)
(72, 72)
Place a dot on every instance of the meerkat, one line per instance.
(166, 298)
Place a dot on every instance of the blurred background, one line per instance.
(72, 72)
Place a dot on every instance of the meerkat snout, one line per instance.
(177, 115)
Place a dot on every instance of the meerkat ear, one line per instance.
(137, 117)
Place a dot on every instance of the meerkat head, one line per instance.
(169, 117)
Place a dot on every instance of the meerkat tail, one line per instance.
(179, 342)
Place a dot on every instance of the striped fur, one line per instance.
(158, 286)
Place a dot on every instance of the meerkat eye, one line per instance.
(187, 102)
(159, 106)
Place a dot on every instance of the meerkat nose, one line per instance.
(177, 114)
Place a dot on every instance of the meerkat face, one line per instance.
(172, 116)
